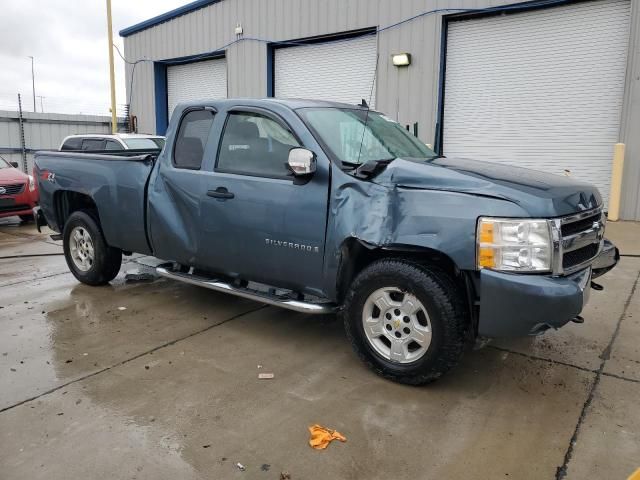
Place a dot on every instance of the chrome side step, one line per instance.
(220, 286)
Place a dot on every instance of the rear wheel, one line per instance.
(88, 256)
(407, 322)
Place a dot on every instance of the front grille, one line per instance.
(581, 239)
(581, 255)
(579, 225)
(13, 208)
(13, 189)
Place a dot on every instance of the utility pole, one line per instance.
(33, 84)
(114, 118)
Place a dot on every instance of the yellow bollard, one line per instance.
(616, 182)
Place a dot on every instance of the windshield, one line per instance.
(342, 131)
(140, 143)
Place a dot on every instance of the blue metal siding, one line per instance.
(162, 110)
(270, 71)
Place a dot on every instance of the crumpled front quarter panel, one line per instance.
(393, 217)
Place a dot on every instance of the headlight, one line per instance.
(514, 245)
(32, 183)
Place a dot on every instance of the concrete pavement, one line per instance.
(160, 380)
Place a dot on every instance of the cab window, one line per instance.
(72, 144)
(254, 144)
(192, 138)
(93, 144)
(113, 145)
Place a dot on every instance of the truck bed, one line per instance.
(117, 185)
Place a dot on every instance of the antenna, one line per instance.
(364, 104)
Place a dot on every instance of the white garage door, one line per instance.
(540, 89)
(341, 71)
(196, 81)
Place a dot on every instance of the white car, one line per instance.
(117, 141)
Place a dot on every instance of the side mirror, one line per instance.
(301, 162)
(14, 164)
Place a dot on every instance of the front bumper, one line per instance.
(513, 305)
(19, 204)
(606, 260)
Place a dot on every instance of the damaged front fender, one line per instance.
(381, 216)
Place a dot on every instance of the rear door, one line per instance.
(176, 189)
(256, 222)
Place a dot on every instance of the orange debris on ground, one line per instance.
(321, 436)
(635, 475)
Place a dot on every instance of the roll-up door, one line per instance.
(196, 81)
(341, 71)
(541, 89)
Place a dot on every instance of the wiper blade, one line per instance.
(372, 168)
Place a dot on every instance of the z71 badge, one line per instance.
(49, 176)
(293, 246)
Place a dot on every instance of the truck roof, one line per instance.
(113, 135)
(292, 103)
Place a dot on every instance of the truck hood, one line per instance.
(540, 194)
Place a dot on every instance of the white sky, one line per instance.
(68, 39)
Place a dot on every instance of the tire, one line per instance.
(103, 264)
(26, 218)
(437, 335)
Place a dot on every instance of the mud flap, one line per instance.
(39, 218)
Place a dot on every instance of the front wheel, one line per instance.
(88, 256)
(407, 322)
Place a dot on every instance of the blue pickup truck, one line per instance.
(323, 207)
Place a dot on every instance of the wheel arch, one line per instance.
(356, 255)
(66, 202)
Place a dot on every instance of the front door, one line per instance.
(271, 228)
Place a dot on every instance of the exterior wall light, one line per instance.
(401, 59)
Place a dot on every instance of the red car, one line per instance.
(18, 192)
